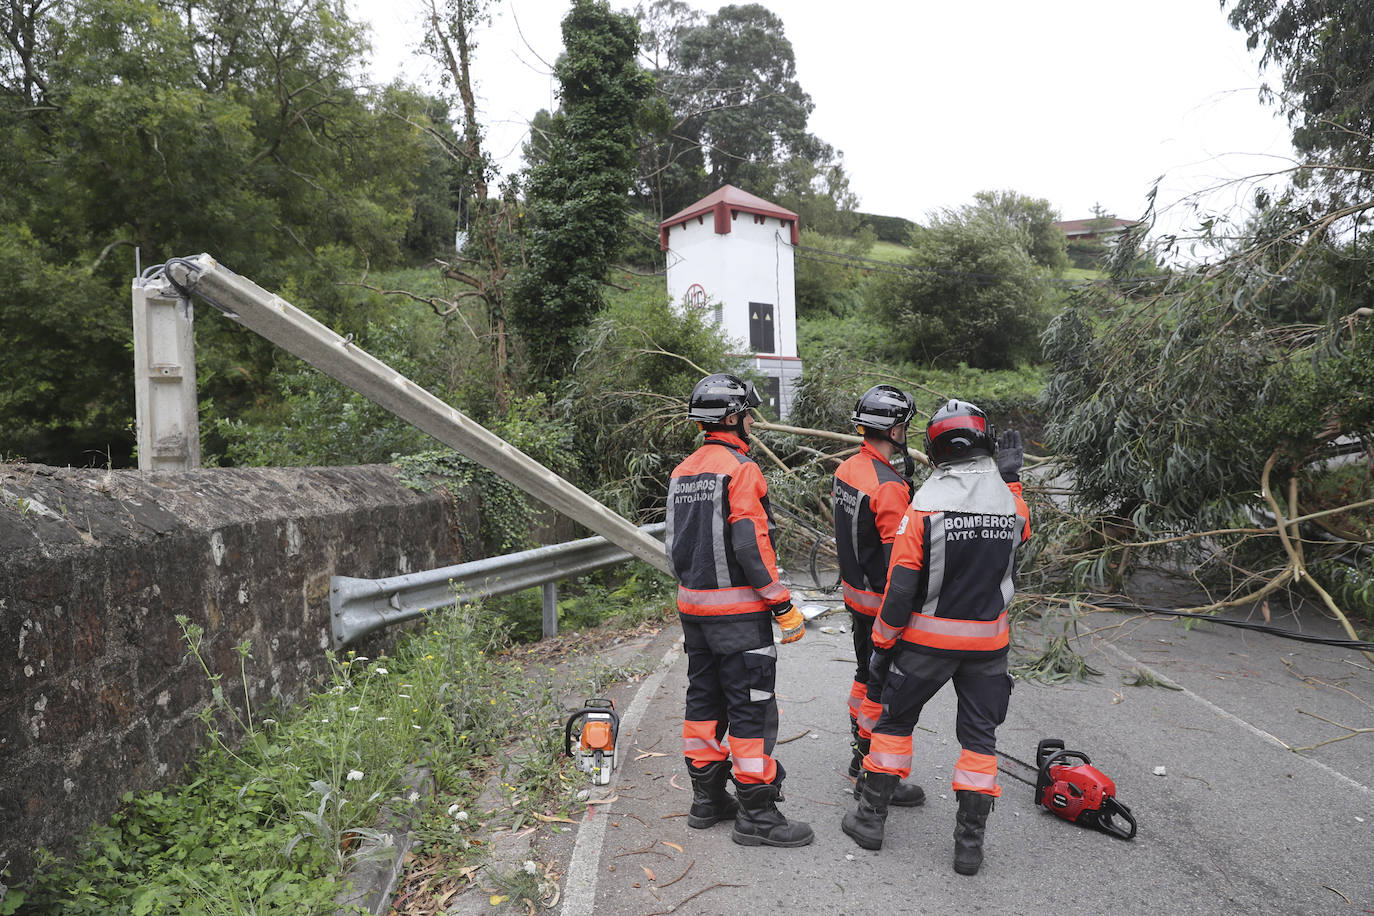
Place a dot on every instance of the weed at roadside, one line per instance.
(271, 816)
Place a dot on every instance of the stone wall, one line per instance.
(97, 696)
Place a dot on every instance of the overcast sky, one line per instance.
(1081, 102)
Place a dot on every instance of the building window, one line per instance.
(761, 327)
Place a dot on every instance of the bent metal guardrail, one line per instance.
(338, 357)
(362, 606)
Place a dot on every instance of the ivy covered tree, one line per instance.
(577, 197)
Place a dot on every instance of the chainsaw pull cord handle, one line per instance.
(605, 707)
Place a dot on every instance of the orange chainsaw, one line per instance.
(595, 728)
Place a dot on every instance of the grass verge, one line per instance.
(275, 812)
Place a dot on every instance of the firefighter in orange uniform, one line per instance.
(720, 548)
(943, 618)
(870, 497)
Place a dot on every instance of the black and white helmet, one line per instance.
(720, 396)
(881, 408)
(957, 431)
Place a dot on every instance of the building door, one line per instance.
(772, 398)
(761, 327)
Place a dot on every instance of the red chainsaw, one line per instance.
(1080, 792)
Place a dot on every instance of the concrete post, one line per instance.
(550, 596)
(165, 408)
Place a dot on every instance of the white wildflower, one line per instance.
(382, 719)
(354, 708)
(355, 775)
(382, 671)
(454, 809)
(530, 867)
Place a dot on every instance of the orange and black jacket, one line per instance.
(951, 581)
(870, 499)
(719, 533)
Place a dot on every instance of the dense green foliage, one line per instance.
(973, 292)
(625, 401)
(1174, 400)
(577, 196)
(175, 129)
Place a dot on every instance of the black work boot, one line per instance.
(906, 795)
(711, 803)
(760, 823)
(968, 830)
(865, 823)
(858, 748)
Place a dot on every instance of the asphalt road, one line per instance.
(1230, 820)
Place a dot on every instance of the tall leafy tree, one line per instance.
(177, 128)
(577, 197)
(1323, 49)
(731, 111)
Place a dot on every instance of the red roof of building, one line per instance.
(724, 203)
(1095, 226)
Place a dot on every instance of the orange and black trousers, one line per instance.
(863, 702)
(731, 708)
(983, 687)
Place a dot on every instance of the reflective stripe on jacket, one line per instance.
(951, 581)
(719, 532)
(870, 499)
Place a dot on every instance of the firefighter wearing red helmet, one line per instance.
(869, 496)
(720, 548)
(944, 618)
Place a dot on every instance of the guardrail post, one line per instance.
(550, 590)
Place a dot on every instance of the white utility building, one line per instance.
(732, 253)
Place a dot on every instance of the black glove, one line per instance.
(1010, 456)
(878, 663)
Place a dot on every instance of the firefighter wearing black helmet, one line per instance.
(869, 499)
(944, 618)
(720, 548)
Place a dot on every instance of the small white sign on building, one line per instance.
(732, 254)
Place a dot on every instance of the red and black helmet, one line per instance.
(882, 407)
(958, 431)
